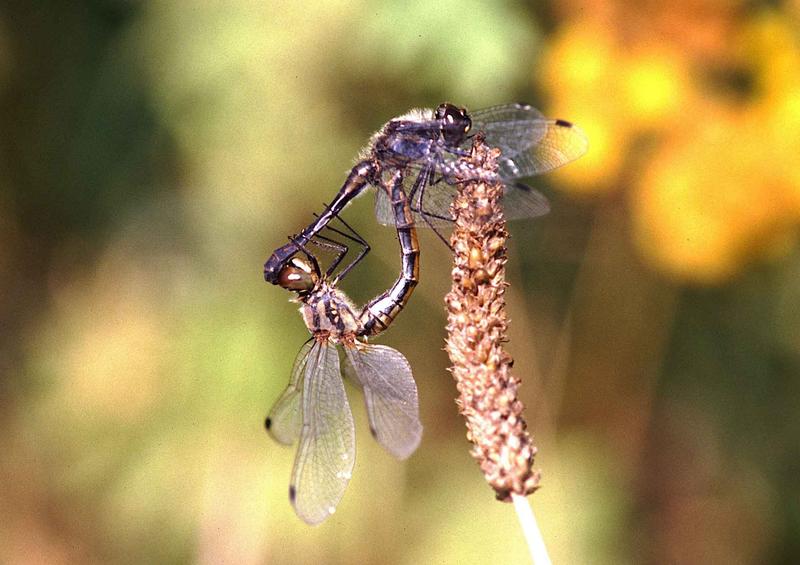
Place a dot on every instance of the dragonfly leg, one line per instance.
(427, 216)
(415, 197)
(419, 192)
(352, 235)
(298, 242)
(339, 248)
(457, 151)
(301, 245)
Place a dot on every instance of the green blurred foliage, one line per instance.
(154, 153)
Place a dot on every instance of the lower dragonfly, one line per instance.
(314, 406)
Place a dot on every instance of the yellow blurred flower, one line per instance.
(725, 191)
(710, 201)
(714, 186)
(653, 86)
(614, 93)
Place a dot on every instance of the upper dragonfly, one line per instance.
(425, 146)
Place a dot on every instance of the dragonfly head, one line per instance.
(455, 123)
(278, 261)
(298, 275)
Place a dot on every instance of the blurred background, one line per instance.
(153, 155)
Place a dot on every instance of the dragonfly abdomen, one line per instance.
(381, 310)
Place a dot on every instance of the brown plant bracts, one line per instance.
(476, 330)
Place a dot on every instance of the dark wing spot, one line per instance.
(292, 493)
(374, 432)
(268, 423)
(564, 123)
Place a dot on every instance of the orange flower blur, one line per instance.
(700, 133)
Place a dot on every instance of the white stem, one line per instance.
(531, 531)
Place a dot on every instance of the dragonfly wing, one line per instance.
(434, 199)
(286, 417)
(383, 207)
(325, 457)
(529, 143)
(508, 127)
(390, 394)
(521, 201)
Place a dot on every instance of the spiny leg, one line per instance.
(311, 257)
(353, 235)
(416, 196)
(339, 248)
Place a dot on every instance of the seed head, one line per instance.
(476, 330)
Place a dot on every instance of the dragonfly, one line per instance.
(313, 408)
(425, 146)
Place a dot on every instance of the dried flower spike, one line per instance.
(476, 330)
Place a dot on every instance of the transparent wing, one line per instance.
(434, 200)
(285, 417)
(424, 183)
(508, 127)
(384, 211)
(327, 448)
(529, 143)
(519, 201)
(390, 394)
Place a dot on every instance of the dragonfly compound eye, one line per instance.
(298, 276)
(455, 123)
(442, 110)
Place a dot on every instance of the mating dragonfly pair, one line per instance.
(414, 162)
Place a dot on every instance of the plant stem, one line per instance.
(530, 529)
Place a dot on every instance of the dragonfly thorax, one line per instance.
(396, 146)
(415, 136)
(328, 311)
